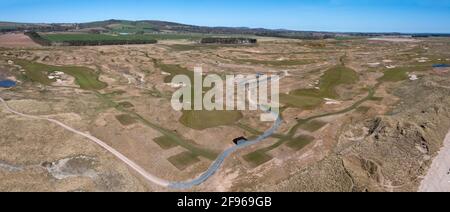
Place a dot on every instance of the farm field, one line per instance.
(95, 37)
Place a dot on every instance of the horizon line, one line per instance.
(217, 26)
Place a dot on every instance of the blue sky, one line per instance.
(326, 15)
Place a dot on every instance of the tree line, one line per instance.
(38, 39)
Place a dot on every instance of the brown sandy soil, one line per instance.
(438, 177)
(16, 40)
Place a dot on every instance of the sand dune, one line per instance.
(438, 177)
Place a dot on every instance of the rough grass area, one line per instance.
(376, 99)
(173, 70)
(275, 62)
(126, 119)
(311, 98)
(183, 47)
(257, 158)
(300, 142)
(165, 142)
(394, 75)
(183, 160)
(86, 78)
(305, 102)
(313, 126)
(126, 105)
(203, 119)
(401, 73)
(363, 109)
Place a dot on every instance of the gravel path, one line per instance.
(130, 163)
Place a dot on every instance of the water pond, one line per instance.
(7, 83)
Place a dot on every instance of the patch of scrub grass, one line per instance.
(421, 67)
(86, 78)
(154, 92)
(313, 126)
(305, 102)
(115, 93)
(126, 119)
(165, 142)
(363, 109)
(183, 160)
(394, 75)
(126, 105)
(192, 47)
(300, 142)
(184, 47)
(173, 70)
(200, 120)
(376, 99)
(257, 158)
(275, 62)
(311, 98)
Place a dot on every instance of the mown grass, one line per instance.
(313, 126)
(335, 76)
(394, 75)
(257, 158)
(305, 102)
(126, 119)
(184, 160)
(300, 142)
(86, 78)
(311, 98)
(165, 142)
(198, 119)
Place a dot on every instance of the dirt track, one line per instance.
(131, 164)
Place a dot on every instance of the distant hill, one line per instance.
(152, 26)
